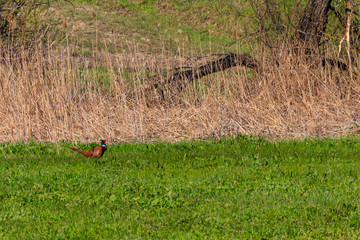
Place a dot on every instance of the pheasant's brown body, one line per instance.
(96, 152)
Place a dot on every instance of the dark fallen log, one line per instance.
(229, 60)
(334, 63)
(167, 86)
(175, 82)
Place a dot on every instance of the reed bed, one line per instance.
(59, 95)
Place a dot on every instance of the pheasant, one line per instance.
(96, 152)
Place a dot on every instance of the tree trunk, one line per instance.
(312, 25)
(230, 60)
(177, 81)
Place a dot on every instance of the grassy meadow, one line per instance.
(237, 154)
(242, 188)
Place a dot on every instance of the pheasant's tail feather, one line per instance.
(75, 149)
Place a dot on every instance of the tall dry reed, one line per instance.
(55, 95)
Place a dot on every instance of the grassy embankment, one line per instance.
(243, 188)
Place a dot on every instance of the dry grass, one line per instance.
(55, 96)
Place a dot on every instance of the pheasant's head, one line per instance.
(103, 142)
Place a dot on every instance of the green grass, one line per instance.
(243, 188)
(195, 27)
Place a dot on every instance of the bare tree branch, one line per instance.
(349, 17)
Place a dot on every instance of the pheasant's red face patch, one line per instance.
(104, 141)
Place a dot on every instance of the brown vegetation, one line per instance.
(288, 87)
(55, 96)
